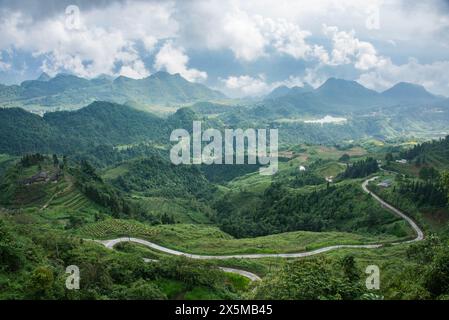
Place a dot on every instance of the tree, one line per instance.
(429, 174)
(55, 160)
(140, 290)
(389, 157)
(345, 158)
(436, 278)
(12, 255)
(41, 282)
(350, 269)
(444, 180)
(311, 279)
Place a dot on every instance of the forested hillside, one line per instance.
(336, 208)
(435, 153)
(63, 132)
(69, 91)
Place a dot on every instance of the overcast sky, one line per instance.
(245, 47)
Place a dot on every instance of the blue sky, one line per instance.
(244, 48)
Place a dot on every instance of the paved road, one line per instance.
(247, 274)
(419, 237)
(419, 232)
(111, 243)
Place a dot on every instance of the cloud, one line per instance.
(433, 76)
(245, 85)
(288, 38)
(247, 34)
(174, 60)
(136, 70)
(220, 25)
(104, 42)
(346, 49)
(4, 66)
(276, 38)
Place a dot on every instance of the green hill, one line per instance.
(61, 132)
(69, 91)
(434, 153)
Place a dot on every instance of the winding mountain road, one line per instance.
(419, 237)
(415, 227)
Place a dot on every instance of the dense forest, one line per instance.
(433, 152)
(108, 162)
(360, 169)
(34, 262)
(155, 176)
(279, 210)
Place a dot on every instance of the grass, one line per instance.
(201, 293)
(5, 161)
(115, 172)
(200, 239)
(171, 288)
(137, 249)
(239, 282)
(182, 210)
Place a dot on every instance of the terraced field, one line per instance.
(201, 239)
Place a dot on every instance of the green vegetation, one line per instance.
(155, 176)
(360, 169)
(336, 208)
(209, 240)
(71, 92)
(103, 172)
(313, 279)
(33, 267)
(434, 153)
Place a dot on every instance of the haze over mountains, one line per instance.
(403, 109)
(335, 96)
(69, 91)
(343, 96)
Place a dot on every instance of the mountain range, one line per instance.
(343, 97)
(65, 91)
(100, 123)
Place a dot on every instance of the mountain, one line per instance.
(282, 91)
(346, 93)
(278, 92)
(100, 123)
(43, 77)
(163, 87)
(23, 132)
(338, 96)
(69, 91)
(409, 93)
(335, 96)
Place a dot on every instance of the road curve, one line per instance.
(111, 243)
(416, 228)
(253, 277)
(246, 274)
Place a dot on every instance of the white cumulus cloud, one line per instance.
(174, 60)
(104, 41)
(433, 76)
(346, 49)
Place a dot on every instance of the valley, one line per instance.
(354, 187)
